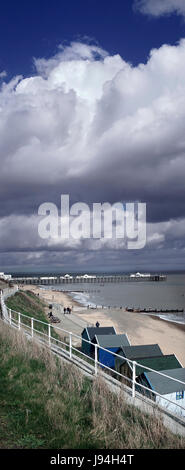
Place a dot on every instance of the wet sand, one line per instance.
(140, 328)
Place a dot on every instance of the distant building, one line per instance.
(111, 343)
(140, 275)
(89, 333)
(147, 276)
(86, 276)
(167, 388)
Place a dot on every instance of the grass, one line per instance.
(41, 398)
(47, 403)
(28, 304)
(31, 305)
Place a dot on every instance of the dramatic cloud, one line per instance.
(21, 245)
(160, 7)
(93, 126)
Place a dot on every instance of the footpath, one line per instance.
(69, 322)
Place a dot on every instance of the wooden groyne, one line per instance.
(154, 310)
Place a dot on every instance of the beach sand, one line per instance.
(143, 329)
(51, 296)
(140, 328)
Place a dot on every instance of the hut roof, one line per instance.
(100, 330)
(141, 351)
(168, 361)
(111, 341)
(164, 385)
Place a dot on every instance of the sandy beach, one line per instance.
(140, 328)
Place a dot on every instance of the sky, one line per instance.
(92, 104)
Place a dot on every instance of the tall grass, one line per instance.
(47, 403)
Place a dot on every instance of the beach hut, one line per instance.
(89, 333)
(167, 361)
(135, 353)
(158, 363)
(112, 344)
(167, 388)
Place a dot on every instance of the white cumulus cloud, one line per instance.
(160, 7)
(93, 126)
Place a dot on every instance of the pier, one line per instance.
(88, 279)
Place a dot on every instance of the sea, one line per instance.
(168, 294)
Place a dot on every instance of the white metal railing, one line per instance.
(4, 294)
(43, 332)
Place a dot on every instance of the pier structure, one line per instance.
(86, 279)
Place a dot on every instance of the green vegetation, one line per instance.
(47, 403)
(34, 396)
(30, 305)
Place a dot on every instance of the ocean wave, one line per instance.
(170, 318)
(82, 298)
(180, 321)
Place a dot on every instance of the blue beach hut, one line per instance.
(90, 332)
(112, 344)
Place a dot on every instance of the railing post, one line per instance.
(19, 320)
(133, 379)
(96, 360)
(32, 327)
(70, 345)
(10, 316)
(49, 334)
